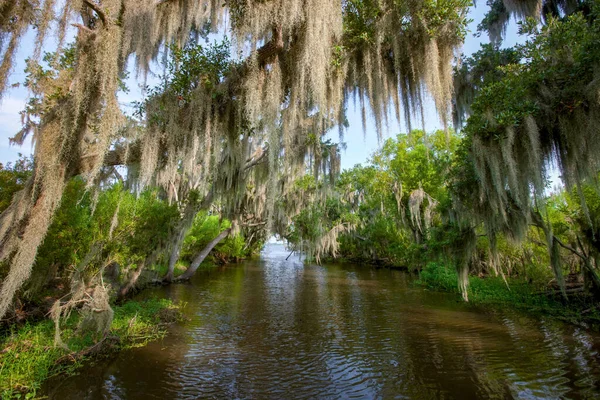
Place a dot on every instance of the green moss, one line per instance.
(515, 294)
(28, 356)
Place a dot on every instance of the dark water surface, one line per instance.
(276, 329)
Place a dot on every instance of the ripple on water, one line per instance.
(275, 329)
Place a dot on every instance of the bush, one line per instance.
(514, 294)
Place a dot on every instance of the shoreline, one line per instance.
(29, 357)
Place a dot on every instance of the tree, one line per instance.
(314, 56)
(383, 212)
(529, 116)
(12, 179)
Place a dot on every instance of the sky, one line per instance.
(360, 145)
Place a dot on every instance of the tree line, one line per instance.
(231, 141)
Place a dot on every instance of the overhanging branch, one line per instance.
(97, 10)
(251, 163)
(83, 28)
(271, 49)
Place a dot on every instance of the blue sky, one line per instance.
(359, 145)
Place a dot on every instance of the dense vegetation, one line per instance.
(481, 200)
(113, 235)
(229, 147)
(117, 239)
(29, 355)
(402, 215)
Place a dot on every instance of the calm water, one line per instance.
(276, 329)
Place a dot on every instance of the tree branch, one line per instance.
(581, 246)
(84, 28)
(572, 250)
(254, 224)
(271, 49)
(258, 160)
(97, 10)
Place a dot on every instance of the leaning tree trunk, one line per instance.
(187, 219)
(131, 282)
(174, 256)
(202, 255)
(135, 276)
(191, 209)
(177, 244)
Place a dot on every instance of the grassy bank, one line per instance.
(28, 356)
(493, 293)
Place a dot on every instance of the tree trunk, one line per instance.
(191, 209)
(202, 255)
(174, 256)
(177, 244)
(552, 243)
(132, 282)
(126, 288)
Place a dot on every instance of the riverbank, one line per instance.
(493, 293)
(28, 355)
(268, 328)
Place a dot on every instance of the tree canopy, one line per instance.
(300, 62)
(238, 124)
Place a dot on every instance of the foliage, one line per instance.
(204, 229)
(29, 356)
(382, 212)
(516, 294)
(143, 223)
(296, 66)
(315, 229)
(526, 121)
(500, 12)
(394, 229)
(245, 133)
(477, 71)
(13, 178)
(390, 230)
(69, 238)
(187, 69)
(114, 227)
(85, 237)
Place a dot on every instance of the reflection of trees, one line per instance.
(282, 329)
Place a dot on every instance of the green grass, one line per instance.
(180, 267)
(161, 269)
(28, 356)
(493, 292)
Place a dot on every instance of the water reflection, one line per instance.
(273, 328)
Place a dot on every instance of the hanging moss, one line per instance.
(500, 12)
(300, 63)
(537, 116)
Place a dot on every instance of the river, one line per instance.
(276, 329)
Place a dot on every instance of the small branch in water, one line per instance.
(289, 255)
